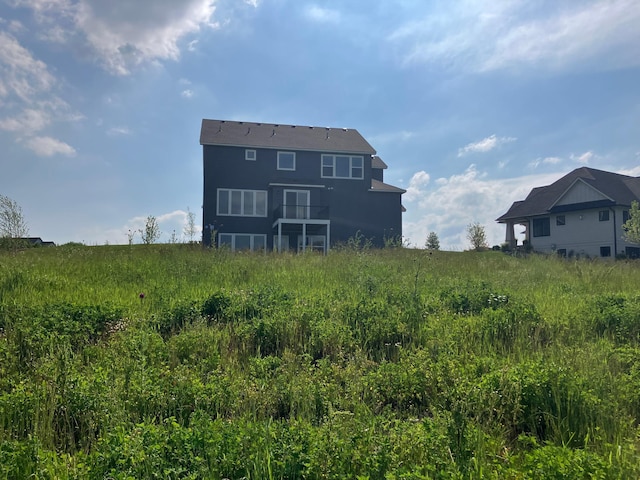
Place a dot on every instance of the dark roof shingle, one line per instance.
(621, 189)
(293, 137)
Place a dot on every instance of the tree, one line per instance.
(12, 222)
(190, 228)
(477, 236)
(632, 226)
(151, 232)
(433, 242)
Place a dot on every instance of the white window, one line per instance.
(342, 166)
(315, 243)
(249, 154)
(296, 204)
(284, 243)
(243, 241)
(242, 203)
(286, 161)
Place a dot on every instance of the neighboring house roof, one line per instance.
(36, 241)
(615, 188)
(378, 186)
(292, 137)
(376, 162)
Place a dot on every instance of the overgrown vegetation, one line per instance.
(168, 361)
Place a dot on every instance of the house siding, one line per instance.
(583, 233)
(348, 204)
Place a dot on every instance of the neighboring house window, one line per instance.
(541, 227)
(243, 241)
(249, 154)
(286, 161)
(560, 220)
(603, 215)
(605, 251)
(625, 216)
(342, 166)
(242, 203)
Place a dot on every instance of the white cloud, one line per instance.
(323, 15)
(186, 93)
(48, 146)
(28, 120)
(21, 74)
(584, 159)
(121, 33)
(450, 204)
(484, 145)
(415, 189)
(116, 131)
(483, 37)
(30, 103)
(544, 161)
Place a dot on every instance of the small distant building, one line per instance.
(36, 242)
(582, 213)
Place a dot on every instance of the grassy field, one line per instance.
(167, 361)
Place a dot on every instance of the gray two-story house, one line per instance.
(293, 188)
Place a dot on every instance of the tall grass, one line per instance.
(175, 362)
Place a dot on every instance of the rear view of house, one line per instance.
(582, 213)
(288, 187)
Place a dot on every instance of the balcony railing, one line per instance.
(302, 212)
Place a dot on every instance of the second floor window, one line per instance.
(603, 215)
(286, 161)
(342, 166)
(242, 203)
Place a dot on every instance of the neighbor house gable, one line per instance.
(580, 192)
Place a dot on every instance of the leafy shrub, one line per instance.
(471, 298)
(616, 316)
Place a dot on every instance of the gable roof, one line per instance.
(378, 186)
(292, 137)
(376, 162)
(617, 188)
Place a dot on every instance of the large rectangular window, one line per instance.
(342, 166)
(242, 203)
(603, 215)
(243, 241)
(286, 161)
(541, 227)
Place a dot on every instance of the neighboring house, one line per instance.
(288, 187)
(36, 242)
(581, 214)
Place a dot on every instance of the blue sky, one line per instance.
(470, 103)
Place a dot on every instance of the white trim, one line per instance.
(295, 185)
(248, 153)
(297, 206)
(561, 196)
(304, 239)
(243, 197)
(334, 167)
(294, 160)
(252, 240)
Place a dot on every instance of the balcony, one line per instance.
(301, 213)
